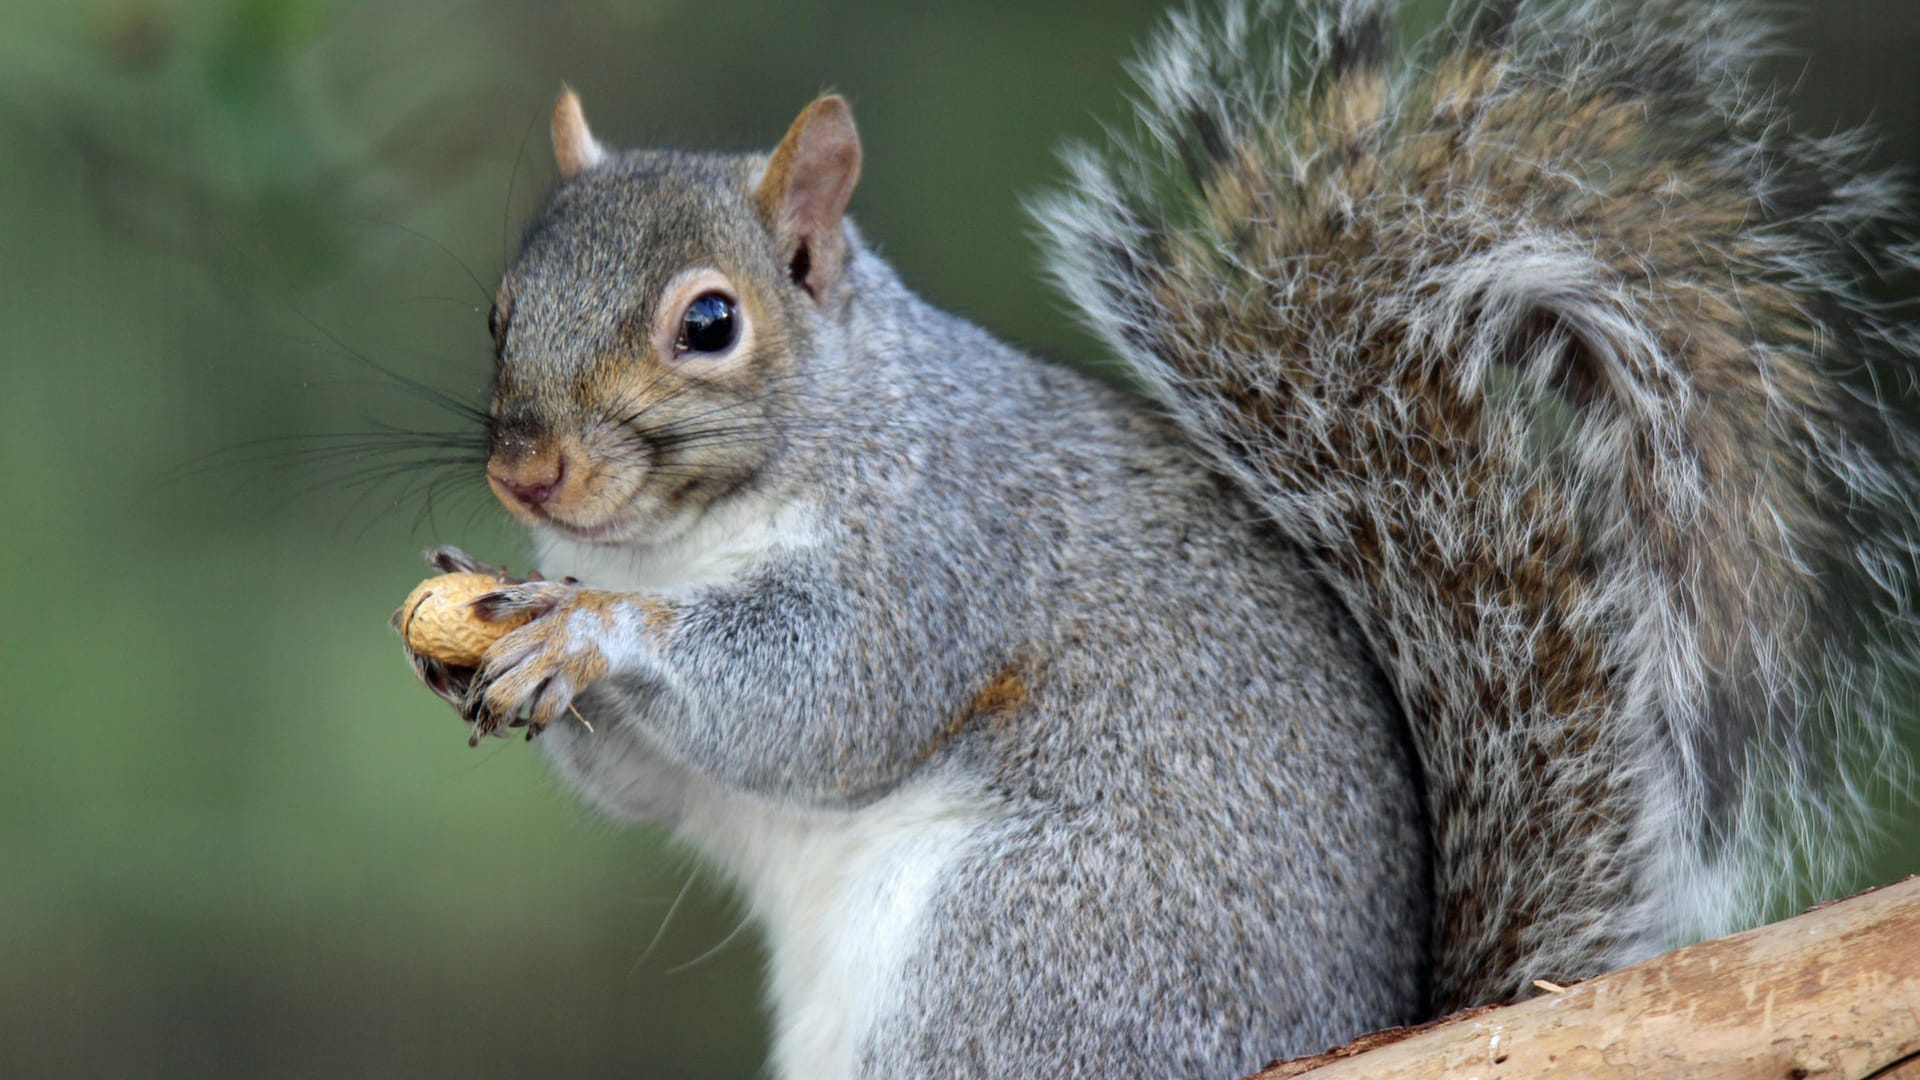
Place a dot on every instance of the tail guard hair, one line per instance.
(1554, 347)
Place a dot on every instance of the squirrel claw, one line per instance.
(531, 675)
(533, 596)
(448, 683)
(451, 560)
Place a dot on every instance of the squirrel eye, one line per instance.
(709, 325)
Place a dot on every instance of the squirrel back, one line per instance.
(1548, 342)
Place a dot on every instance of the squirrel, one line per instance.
(1504, 576)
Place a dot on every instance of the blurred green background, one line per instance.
(235, 839)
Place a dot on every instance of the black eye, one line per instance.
(709, 326)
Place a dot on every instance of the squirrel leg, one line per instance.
(769, 686)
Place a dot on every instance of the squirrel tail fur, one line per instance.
(1552, 346)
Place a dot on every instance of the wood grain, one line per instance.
(1833, 994)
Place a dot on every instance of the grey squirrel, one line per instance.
(1508, 579)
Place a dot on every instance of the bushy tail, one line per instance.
(1551, 344)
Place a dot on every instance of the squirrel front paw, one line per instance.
(532, 674)
(439, 667)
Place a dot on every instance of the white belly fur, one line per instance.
(838, 893)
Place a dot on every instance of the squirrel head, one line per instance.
(649, 338)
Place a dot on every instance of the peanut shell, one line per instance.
(438, 622)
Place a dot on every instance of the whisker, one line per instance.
(424, 391)
(486, 294)
(513, 177)
(326, 447)
(715, 951)
(665, 921)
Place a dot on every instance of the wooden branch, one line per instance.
(1833, 994)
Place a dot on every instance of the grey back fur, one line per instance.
(1550, 343)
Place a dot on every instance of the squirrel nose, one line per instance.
(531, 480)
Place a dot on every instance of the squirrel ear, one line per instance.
(804, 191)
(574, 148)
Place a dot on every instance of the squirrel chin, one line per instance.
(623, 525)
(612, 532)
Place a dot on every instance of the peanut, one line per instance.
(438, 621)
